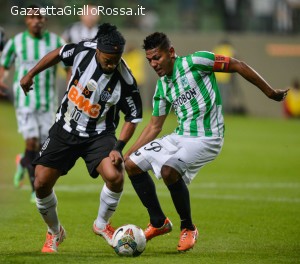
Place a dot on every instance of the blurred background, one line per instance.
(263, 33)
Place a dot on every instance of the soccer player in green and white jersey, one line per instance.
(35, 112)
(187, 84)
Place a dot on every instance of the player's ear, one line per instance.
(172, 52)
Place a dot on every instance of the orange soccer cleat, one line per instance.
(53, 240)
(188, 239)
(152, 231)
(106, 233)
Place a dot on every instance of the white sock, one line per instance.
(47, 208)
(108, 203)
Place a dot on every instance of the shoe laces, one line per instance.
(149, 227)
(109, 230)
(183, 235)
(51, 239)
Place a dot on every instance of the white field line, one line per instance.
(162, 191)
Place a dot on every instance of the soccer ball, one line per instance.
(129, 241)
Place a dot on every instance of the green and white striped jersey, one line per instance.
(193, 93)
(25, 51)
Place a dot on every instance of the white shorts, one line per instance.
(34, 124)
(183, 153)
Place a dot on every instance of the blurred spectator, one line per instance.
(149, 21)
(283, 17)
(188, 13)
(2, 39)
(292, 101)
(295, 10)
(135, 60)
(263, 12)
(84, 29)
(235, 14)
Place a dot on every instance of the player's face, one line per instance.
(162, 61)
(35, 22)
(108, 62)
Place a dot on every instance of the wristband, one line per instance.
(120, 144)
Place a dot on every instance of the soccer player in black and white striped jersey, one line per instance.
(101, 85)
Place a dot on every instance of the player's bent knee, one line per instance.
(131, 168)
(114, 182)
(113, 176)
(45, 179)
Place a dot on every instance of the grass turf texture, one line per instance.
(246, 204)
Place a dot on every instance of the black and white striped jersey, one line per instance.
(93, 100)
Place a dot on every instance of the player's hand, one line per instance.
(126, 156)
(116, 157)
(279, 95)
(26, 83)
(3, 89)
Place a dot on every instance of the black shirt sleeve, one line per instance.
(68, 53)
(131, 103)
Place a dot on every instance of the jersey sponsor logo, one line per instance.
(68, 53)
(131, 105)
(83, 89)
(185, 97)
(84, 104)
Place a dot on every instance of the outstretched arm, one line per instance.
(233, 65)
(149, 133)
(47, 61)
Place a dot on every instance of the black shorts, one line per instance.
(61, 150)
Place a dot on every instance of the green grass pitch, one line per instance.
(246, 203)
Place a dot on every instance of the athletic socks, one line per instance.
(145, 189)
(108, 203)
(181, 199)
(47, 208)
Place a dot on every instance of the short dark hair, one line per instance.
(157, 40)
(108, 36)
(34, 6)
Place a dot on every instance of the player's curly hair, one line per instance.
(109, 35)
(157, 40)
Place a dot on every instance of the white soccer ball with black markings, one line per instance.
(129, 241)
